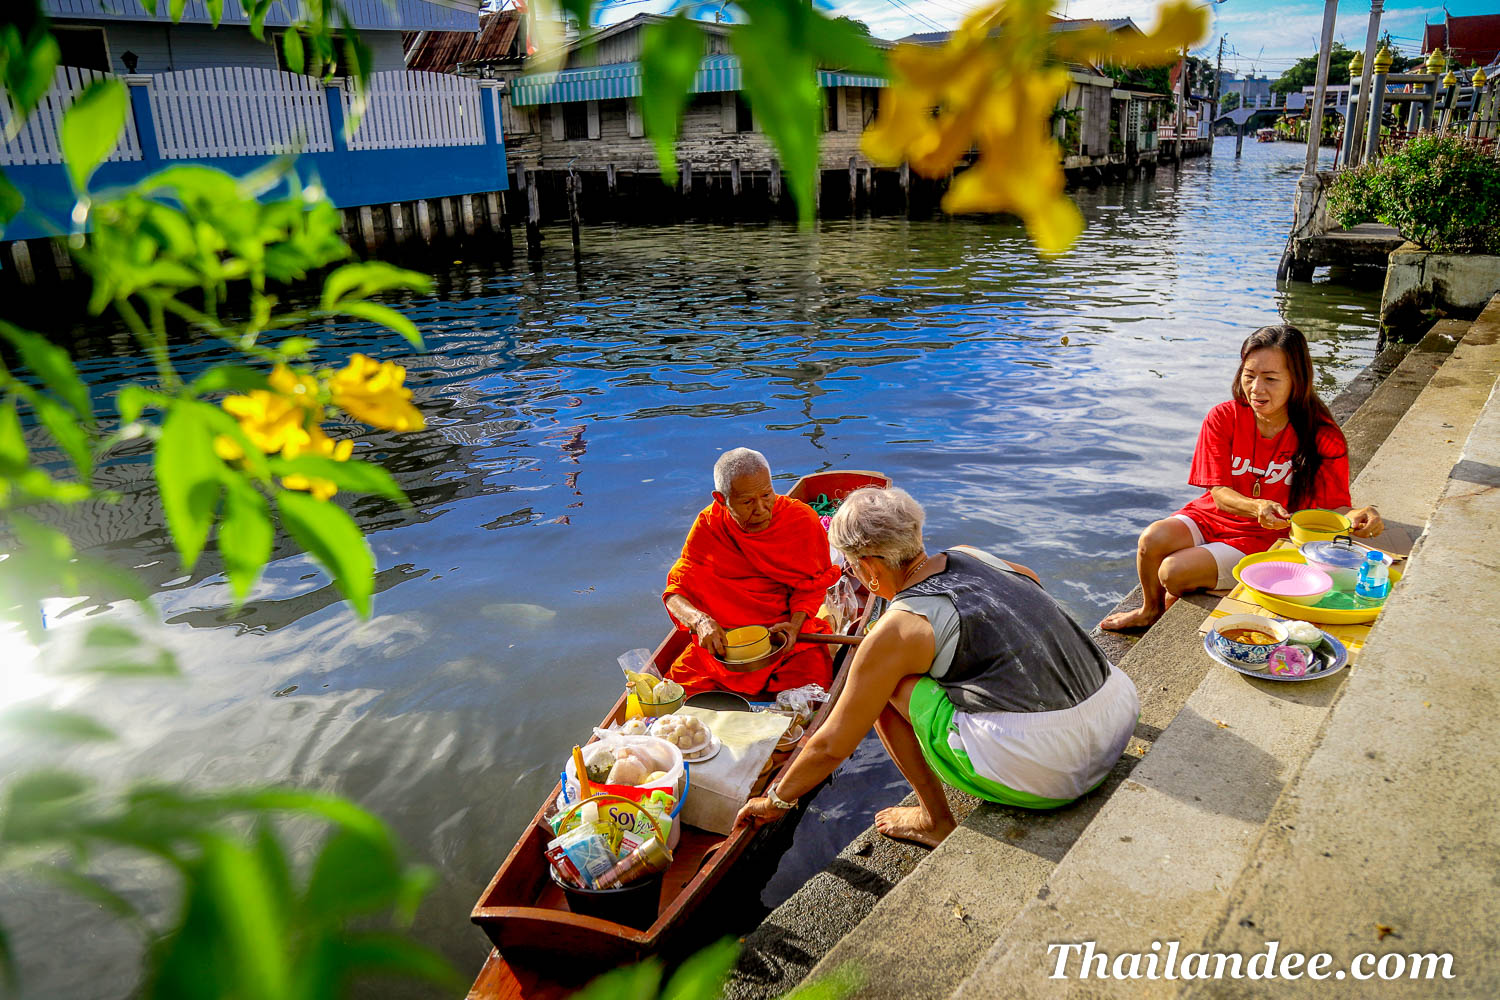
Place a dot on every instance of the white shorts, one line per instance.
(1226, 556)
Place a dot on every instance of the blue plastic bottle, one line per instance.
(1374, 578)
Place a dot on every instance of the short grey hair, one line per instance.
(885, 523)
(737, 462)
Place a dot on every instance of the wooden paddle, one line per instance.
(830, 639)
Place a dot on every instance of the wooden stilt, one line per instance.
(906, 186)
(424, 219)
(853, 188)
(20, 255)
(367, 227)
(687, 177)
(398, 222)
(734, 178)
(573, 219)
(869, 179)
(609, 177)
(450, 219)
(466, 211)
(775, 183)
(61, 258)
(533, 217)
(492, 211)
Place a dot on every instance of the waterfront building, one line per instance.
(221, 97)
(1464, 40)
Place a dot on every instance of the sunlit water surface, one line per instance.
(1044, 411)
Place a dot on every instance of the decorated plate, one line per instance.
(1330, 651)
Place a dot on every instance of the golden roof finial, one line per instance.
(1383, 60)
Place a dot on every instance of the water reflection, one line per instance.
(1043, 410)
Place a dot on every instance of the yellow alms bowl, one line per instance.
(1315, 525)
(748, 643)
(1318, 616)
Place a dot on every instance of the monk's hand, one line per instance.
(785, 629)
(757, 812)
(1366, 522)
(1271, 514)
(710, 634)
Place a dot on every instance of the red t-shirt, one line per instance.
(1232, 453)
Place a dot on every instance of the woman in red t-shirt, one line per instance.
(1272, 449)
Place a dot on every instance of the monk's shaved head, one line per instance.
(738, 463)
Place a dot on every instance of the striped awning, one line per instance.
(716, 74)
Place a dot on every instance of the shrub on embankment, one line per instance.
(1440, 192)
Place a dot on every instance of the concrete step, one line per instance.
(1367, 427)
(1160, 859)
(1386, 840)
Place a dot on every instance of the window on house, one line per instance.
(744, 121)
(575, 120)
(311, 65)
(84, 47)
(831, 96)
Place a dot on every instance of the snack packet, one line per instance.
(581, 856)
(641, 676)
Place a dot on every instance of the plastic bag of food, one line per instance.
(646, 753)
(581, 856)
(842, 601)
(802, 701)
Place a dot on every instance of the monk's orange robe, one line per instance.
(761, 578)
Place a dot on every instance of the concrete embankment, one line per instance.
(1342, 816)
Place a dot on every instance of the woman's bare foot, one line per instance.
(1124, 621)
(912, 823)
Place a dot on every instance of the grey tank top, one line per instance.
(1017, 649)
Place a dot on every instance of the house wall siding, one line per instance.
(397, 15)
(162, 48)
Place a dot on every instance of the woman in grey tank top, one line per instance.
(974, 676)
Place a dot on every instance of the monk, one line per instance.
(751, 558)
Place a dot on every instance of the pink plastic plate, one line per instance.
(1288, 580)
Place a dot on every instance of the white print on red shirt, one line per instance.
(1273, 473)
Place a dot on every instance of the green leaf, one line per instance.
(11, 201)
(353, 475)
(383, 956)
(39, 803)
(215, 10)
(91, 127)
(14, 455)
(671, 52)
(781, 81)
(580, 10)
(28, 62)
(165, 665)
(70, 727)
(353, 876)
(229, 378)
(837, 43)
(252, 924)
(109, 636)
(175, 9)
(633, 982)
(53, 366)
(332, 538)
(67, 432)
(188, 478)
(245, 535)
(843, 981)
(291, 47)
(366, 278)
(702, 976)
(296, 348)
(385, 316)
(134, 398)
(91, 891)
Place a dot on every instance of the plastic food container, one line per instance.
(1340, 559)
(748, 643)
(1316, 525)
(1254, 654)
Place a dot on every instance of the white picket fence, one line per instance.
(238, 111)
(37, 141)
(407, 110)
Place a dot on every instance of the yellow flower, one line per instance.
(993, 86)
(300, 389)
(270, 420)
(372, 391)
(318, 444)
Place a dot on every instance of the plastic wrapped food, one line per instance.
(802, 701)
(627, 771)
(682, 731)
(635, 727)
(581, 856)
(1303, 633)
(1289, 661)
(597, 760)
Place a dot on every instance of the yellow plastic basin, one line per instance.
(1318, 526)
(1318, 616)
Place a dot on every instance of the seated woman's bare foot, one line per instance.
(1122, 621)
(912, 823)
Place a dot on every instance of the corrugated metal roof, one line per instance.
(442, 51)
(1058, 24)
(716, 74)
(398, 15)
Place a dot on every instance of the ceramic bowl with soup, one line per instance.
(1248, 639)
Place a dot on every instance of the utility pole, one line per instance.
(1218, 81)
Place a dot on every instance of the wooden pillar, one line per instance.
(533, 217)
(424, 219)
(853, 188)
(734, 178)
(346, 226)
(20, 255)
(609, 177)
(450, 221)
(687, 177)
(367, 227)
(775, 182)
(1239, 139)
(818, 191)
(869, 179)
(61, 258)
(573, 219)
(398, 222)
(466, 211)
(906, 185)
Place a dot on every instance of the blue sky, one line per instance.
(1264, 35)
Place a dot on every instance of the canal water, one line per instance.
(1043, 411)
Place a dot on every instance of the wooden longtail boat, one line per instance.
(541, 948)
